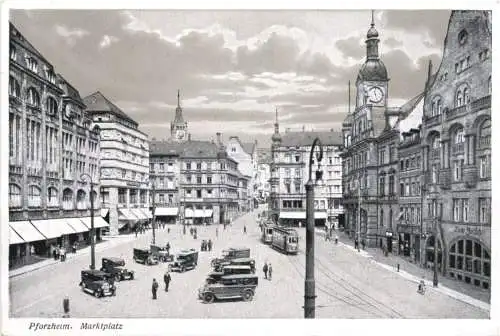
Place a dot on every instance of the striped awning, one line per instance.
(27, 231)
(53, 228)
(14, 238)
(126, 214)
(77, 224)
(98, 222)
(139, 214)
(148, 213)
(104, 212)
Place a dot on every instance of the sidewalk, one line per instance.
(410, 271)
(108, 241)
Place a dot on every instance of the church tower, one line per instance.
(179, 127)
(372, 81)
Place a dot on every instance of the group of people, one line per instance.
(206, 245)
(356, 243)
(268, 271)
(59, 252)
(154, 288)
(194, 232)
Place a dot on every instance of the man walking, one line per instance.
(244, 229)
(209, 245)
(154, 288)
(166, 279)
(265, 269)
(270, 272)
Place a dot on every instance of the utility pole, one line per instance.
(435, 277)
(92, 228)
(153, 224)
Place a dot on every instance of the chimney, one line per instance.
(219, 138)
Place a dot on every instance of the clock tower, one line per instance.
(372, 81)
(178, 128)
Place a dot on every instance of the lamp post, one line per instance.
(435, 277)
(153, 210)
(309, 284)
(92, 229)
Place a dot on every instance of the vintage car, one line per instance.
(98, 283)
(185, 260)
(145, 257)
(231, 253)
(236, 262)
(115, 267)
(162, 253)
(235, 286)
(214, 277)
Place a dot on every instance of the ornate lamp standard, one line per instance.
(310, 295)
(84, 177)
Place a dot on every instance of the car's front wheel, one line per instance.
(97, 294)
(183, 269)
(247, 295)
(118, 277)
(208, 298)
(131, 276)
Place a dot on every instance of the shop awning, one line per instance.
(98, 222)
(166, 211)
(14, 238)
(53, 228)
(320, 215)
(198, 213)
(27, 231)
(77, 224)
(208, 212)
(293, 214)
(139, 214)
(148, 213)
(104, 212)
(126, 214)
(188, 213)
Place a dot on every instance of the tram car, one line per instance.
(267, 232)
(285, 240)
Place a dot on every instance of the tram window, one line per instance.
(452, 261)
(477, 282)
(486, 268)
(468, 247)
(461, 246)
(477, 250)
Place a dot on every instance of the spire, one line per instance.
(276, 136)
(178, 98)
(373, 20)
(372, 40)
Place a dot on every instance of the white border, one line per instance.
(255, 326)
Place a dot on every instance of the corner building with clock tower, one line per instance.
(178, 127)
(370, 136)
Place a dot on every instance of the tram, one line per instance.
(285, 240)
(267, 232)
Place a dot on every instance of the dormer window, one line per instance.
(32, 64)
(13, 53)
(462, 37)
(50, 76)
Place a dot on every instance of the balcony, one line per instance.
(457, 111)
(434, 120)
(458, 148)
(445, 178)
(13, 169)
(485, 141)
(481, 103)
(470, 175)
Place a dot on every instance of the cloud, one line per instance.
(351, 47)
(391, 42)
(71, 35)
(107, 40)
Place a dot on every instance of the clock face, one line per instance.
(375, 94)
(180, 135)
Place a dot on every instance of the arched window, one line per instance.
(68, 199)
(360, 125)
(51, 106)
(436, 142)
(34, 196)
(458, 99)
(469, 261)
(14, 87)
(381, 217)
(52, 198)
(81, 197)
(485, 134)
(15, 197)
(390, 219)
(459, 136)
(462, 95)
(436, 106)
(33, 97)
(466, 98)
(13, 53)
(392, 191)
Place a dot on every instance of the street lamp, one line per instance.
(309, 284)
(83, 177)
(435, 277)
(153, 210)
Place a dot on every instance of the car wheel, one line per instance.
(212, 263)
(208, 298)
(97, 294)
(132, 276)
(117, 278)
(183, 269)
(247, 295)
(113, 293)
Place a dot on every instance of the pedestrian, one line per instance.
(270, 272)
(356, 243)
(166, 279)
(53, 251)
(168, 229)
(244, 229)
(203, 246)
(136, 232)
(154, 288)
(57, 250)
(168, 248)
(210, 244)
(217, 232)
(265, 269)
(32, 249)
(75, 246)
(336, 239)
(363, 243)
(66, 307)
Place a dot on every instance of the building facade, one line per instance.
(52, 142)
(457, 151)
(290, 172)
(124, 173)
(262, 185)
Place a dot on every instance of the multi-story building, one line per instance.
(124, 171)
(290, 173)
(457, 152)
(52, 142)
(262, 186)
(370, 154)
(245, 153)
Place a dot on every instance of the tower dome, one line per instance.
(373, 70)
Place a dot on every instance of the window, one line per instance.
(437, 106)
(198, 179)
(484, 167)
(457, 170)
(474, 260)
(297, 187)
(382, 217)
(209, 179)
(162, 167)
(52, 199)
(198, 166)
(81, 198)
(233, 149)
(297, 173)
(462, 37)
(391, 185)
(15, 197)
(188, 166)
(67, 199)
(434, 173)
(124, 173)
(32, 64)
(402, 189)
(34, 199)
(13, 53)
(33, 97)
(456, 210)
(14, 87)
(198, 194)
(484, 210)
(462, 95)
(382, 186)
(465, 210)
(287, 186)
(287, 172)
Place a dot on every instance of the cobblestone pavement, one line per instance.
(347, 285)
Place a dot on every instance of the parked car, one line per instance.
(115, 267)
(185, 260)
(231, 253)
(145, 257)
(161, 253)
(236, 262)
(214, 277)
(98, 283)
(230, 287)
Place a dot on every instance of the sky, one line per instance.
(233, 68)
